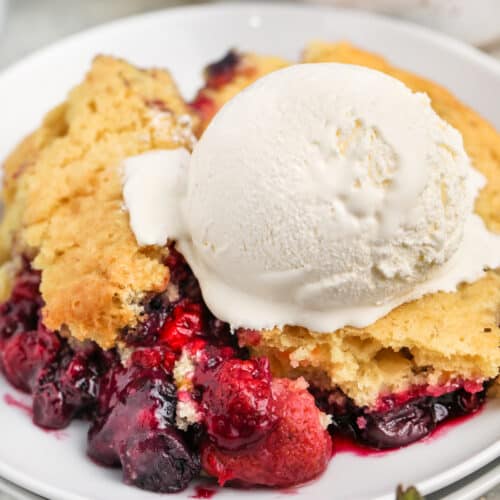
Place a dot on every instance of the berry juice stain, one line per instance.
(202, 492)
(10, 400)
(291, 490)
(16, 403)
(343, 444)
(444, 427)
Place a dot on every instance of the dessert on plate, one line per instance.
(224, 286)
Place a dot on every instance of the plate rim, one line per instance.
(430, 485)
(447, 41)
(469, 53)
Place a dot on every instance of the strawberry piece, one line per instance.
(297, 450)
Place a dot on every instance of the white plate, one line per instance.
(184, 40)
(474, 22)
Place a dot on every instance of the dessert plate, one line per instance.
(54, 465)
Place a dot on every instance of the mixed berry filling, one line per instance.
(184, 397)
(223, 71)
(217, 75)
(134, 426)
(397, 424)
(62, 376)
(230, 391)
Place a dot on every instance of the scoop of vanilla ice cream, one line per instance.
(322, 186)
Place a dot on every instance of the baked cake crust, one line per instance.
(63, 194)
(179, 395)
(95, 275)
(438, 340)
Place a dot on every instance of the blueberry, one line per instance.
(135, 428)
(68, 387)
(398, 427)
(159, 462)
(49, 407)
(403, 424)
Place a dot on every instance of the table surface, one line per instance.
(50, 20)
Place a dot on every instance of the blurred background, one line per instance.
(26, 25)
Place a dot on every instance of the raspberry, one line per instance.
(296, 450)
(153, 357)
(238, 403)
(182, 325)
(196, 346)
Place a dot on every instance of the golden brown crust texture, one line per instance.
(434, 340)
(63, 192)
(64, 197)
